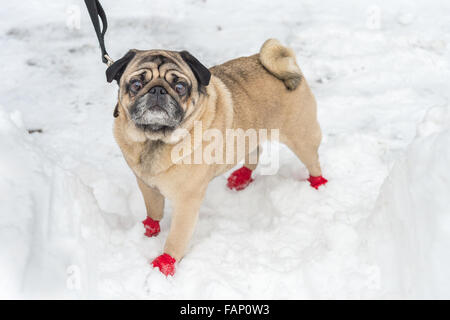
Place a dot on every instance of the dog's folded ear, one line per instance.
(200, 71)
(115, 71)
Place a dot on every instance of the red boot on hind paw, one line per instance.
(165, 263)
(316, 182)
(151, 226)
(240, 179)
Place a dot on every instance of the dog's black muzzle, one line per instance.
(156, 110)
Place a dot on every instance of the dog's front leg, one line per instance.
(154, 203)
(184, 219)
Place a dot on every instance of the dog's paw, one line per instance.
(240, 179)
(165, 263)
(151, 226)
(316, 182)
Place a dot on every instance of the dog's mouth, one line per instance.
(158, 108)
(155, 118)
(154, 127)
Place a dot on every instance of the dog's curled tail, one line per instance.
(280, 61)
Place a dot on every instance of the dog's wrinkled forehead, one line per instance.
(159, 62)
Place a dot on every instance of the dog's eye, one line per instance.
(180, 88)
(136, 86)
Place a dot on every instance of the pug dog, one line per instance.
(163, 95)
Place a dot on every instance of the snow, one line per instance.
(409, 232)
(70, 209)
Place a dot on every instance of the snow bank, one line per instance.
(40, 210)
(409, 232)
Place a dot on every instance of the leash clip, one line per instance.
(109, 61)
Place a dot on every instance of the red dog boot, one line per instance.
(315, 182)
(151, 227)
(165, 263)
(240, 179)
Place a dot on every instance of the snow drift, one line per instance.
(410, 227)
(40, 207)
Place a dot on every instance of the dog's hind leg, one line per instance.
(306, 146)
(242, 177)
(154, 203)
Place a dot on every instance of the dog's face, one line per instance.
(158, 89)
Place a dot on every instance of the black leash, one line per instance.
(95, 10)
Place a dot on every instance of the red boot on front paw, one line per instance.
(151, 227)
(240, 179)
(165, 263)
(316, 182)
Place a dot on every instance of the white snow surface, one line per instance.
(70, 209)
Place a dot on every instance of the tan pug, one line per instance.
(164, 95)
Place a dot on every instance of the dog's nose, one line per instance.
(158, 91)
